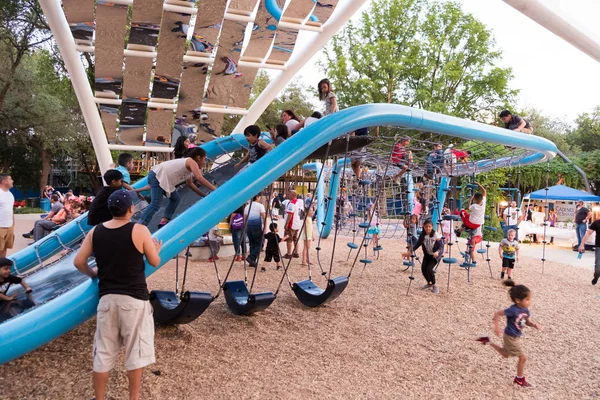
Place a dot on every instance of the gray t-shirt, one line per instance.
(509, 248)
(514, 122)
(56, 207)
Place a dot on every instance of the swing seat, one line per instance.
(366, 261)
(170, 310)
(363, 225)
(352, 245)
(378, 248)
(490, 228)
(408, 263)
(241, 302)
(353, 215)
(311, 295)
(468, 265)
(449, 260)
(481, 251)
(451, 217)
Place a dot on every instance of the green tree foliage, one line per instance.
(423, 53)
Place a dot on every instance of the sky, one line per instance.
(552, 75)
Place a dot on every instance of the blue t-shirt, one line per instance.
(126, 177)
(516, 317)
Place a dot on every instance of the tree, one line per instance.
(586, 135)
(422, 53)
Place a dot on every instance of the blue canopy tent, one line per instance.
(562, 193)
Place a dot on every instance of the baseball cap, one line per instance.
(121, 200)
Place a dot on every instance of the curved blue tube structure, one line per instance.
(68, 309)
(334, 186)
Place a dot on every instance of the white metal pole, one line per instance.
(559, 25)
(333, 25)
(66, 44)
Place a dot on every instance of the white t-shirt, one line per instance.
(291, 124)
(293, 209)
(212, 233)
(477, 213)
(7, 201)
(513, 215)
(172, 173)
(309, 121)
(254, 218)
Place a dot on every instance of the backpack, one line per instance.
(238, 222)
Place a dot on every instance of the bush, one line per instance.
(29, 210)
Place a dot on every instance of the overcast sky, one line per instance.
(552, 75)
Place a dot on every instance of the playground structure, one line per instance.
(62, 299)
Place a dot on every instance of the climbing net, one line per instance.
(410, 187)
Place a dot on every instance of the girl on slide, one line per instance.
(163, 179)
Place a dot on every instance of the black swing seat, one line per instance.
(241, 302)
(170, 310)
(311, 295)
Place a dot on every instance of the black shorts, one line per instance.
(272, 255)
(508, 262)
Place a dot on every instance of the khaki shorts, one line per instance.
(512, 345)
(292, 235)
(123, 321)
(7, 238)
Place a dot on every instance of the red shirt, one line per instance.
(460, 153)
(399, 153)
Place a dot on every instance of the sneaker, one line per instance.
(216, 257)
(595, 280)
(211, 259)
(287, 256)
(263, 269)
(28, 236)
(279, 268)
(296, 255)
(501, 275)
(483, 339)
(435, 290)
(160, 225)
(428, 286)
(238, 258)
(250, 262)
(523, 382)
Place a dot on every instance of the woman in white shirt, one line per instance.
(164, 177)
(289, 118)
(254, 218)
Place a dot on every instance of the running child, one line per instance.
(432, 245)
(412, 227)
(326, 94)
(517, 316)
(475, 218)
(508, 249)
(6, 279)
(272, 251)
(257, 147)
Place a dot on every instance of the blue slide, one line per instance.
(75, 301)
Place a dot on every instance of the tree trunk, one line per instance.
(46, 159)
(90, 172)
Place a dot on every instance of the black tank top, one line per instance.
(120, 264)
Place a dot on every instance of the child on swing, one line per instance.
(474, 219)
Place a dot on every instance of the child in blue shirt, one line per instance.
(517, 316)
(257, 147)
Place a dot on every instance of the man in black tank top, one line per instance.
(124, 312)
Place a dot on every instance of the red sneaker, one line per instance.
(216, 257)
(523, 382)
(211, 259)
(483, 339)
(238, 258)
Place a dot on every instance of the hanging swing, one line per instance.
(172, 309)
